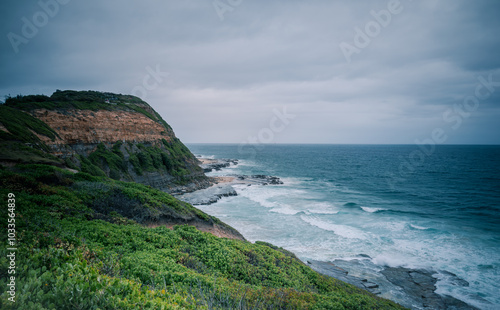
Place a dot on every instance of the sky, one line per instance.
(241, 71)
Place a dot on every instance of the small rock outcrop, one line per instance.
(209, 165)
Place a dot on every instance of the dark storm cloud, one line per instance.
(265, 55)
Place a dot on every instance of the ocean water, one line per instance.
(437, 208)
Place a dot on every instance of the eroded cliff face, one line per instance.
(80, 131)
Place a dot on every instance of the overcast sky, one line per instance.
(231, 71)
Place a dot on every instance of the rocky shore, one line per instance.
(412, 288)
(222, 186)
(208, 165)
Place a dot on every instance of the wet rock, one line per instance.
(268, 179)
(453, 278)
(217, 164)
(209, 195)
(363, 255)
(412, 288)
(421, 286)
(329, 269)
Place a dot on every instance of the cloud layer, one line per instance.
(227, 75)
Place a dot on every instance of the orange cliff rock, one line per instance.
(86, 127)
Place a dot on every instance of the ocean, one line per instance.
(431, 207)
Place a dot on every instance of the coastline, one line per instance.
(222, 186)
(412, 288)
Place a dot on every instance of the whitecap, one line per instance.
(372, 210)
(205, 156)
(285, 210)
(395, 260)
(321, 212)
(340, 230)
(324, 208)
(418, 227)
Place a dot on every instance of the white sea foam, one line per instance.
(340, 230)
(206, 156)
(285, 210)
(260, 195)
(372, 210)
(267, 195)
(290, 181)
(319, 212)
(400, 259)
(322, 208)
(418, 227)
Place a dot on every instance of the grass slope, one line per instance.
(81, 246)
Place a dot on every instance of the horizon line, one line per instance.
(326, 143)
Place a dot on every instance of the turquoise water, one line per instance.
(428, 208)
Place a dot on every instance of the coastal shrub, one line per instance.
(134, 160)
(104, 158)
(15, 151)
(117, 148)
(88, 167)
(20, 125)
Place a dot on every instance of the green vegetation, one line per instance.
(20, 142)
(22, 127)
(14, 151)
(171, 158)
(81, 245)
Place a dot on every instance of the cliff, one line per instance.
(103, 134)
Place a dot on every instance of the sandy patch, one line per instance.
(224, 179)
(205, 161)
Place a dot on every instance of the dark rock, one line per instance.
(364, 255)
(412, 288)
(267, 179)
(329, 269)
(218, 164)
(421, 286)
(454, 279)
(369, 285)
(209, 195)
